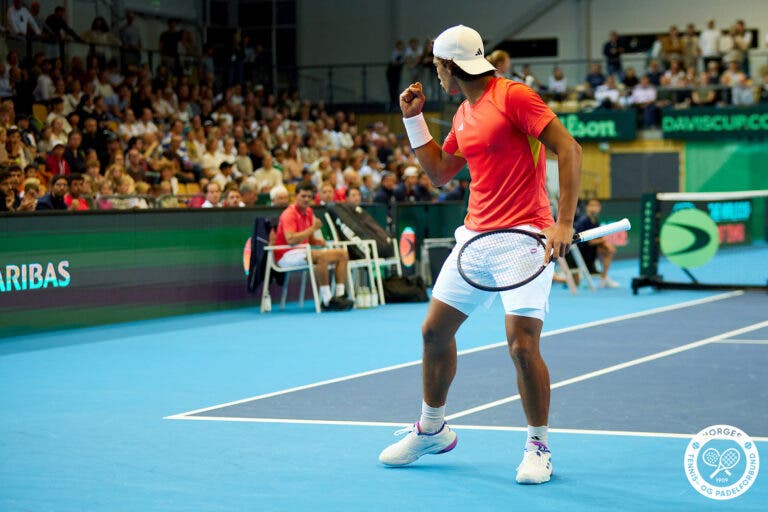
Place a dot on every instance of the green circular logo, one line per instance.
(689, 238)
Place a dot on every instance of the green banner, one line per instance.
(715, 123)
(601, 125)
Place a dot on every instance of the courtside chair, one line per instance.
(305, 269)
(368, 248)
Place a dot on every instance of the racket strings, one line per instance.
(502, 259)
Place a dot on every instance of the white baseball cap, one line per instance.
(464, 46)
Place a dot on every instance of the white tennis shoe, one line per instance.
(417, 443)
(607, 282)
(536, 467)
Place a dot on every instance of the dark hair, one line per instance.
(75, 176)
(461, 74)
(58, 177)
(14, 167)
(306, 186)
(4, 175)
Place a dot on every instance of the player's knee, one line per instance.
(523, 350)
(433, 338)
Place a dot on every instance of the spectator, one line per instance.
(764, 87)
(643, 98)
(690, 43)
(501, 61)
(74, 198)
(169, 45)
(279, 197)
(558, 85)
(73, 154)
(44, 88)
(233, 199)
(354, 197)
(672, 46)
(224, 176)
(742, 93)
(704, 94)
(267, 176)
(709, 45)
(598, 249)
(731, 75)
(394, 74)
(297, 225)
(674, 76)
(20, 20)
(57, 26)
(103, 199)
(630, 79)
(3, 151)
(742, 42)
(248, 193)
(607, 94)
(212, 195)
(412, 60)
(406, 190)
(595, 77)
(31, 194)
(18, 153)
(130, 37)
(386, 190)
(98, 37)
(54, 200)
(613, 49)
(58, 134)
(56, 163)
(655, 73)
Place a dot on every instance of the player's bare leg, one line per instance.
(430, 435)
(523, 336)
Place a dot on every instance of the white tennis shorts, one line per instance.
(293, 258)
(530, 300)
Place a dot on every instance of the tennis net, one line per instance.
(706, 240)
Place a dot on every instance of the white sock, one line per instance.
(325, 293)
(432, 418)
(536, 435)
(340, 290)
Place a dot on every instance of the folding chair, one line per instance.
(367, 262)
(306, 268)
(580, 269)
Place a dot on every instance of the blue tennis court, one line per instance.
(288, 411)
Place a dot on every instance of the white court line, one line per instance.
(617, 367)
(454, 426)
(554, 332)
(744, 342)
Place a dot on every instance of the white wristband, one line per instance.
(416, 128)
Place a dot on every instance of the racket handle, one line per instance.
(613, 227)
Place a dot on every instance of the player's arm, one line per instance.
(297, 237)
(440, 166)
(568, 151)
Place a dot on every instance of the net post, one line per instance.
(649, 242)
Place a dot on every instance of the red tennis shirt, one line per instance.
(294, 221)
(498, 137)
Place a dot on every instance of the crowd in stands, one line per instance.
(97, 134)
(690, 69)
(89, 135)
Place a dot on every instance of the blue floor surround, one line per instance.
(85, 422)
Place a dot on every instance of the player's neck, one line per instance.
(474, 90)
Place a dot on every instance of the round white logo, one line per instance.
(721, 462)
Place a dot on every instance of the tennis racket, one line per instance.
(504, 259)
(721, 462)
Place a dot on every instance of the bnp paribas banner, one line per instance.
(601, 125)
(715, 123)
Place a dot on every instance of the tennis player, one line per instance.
(500, 131)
